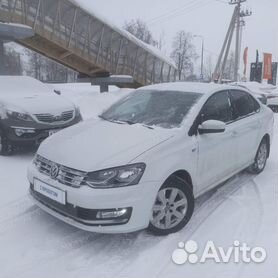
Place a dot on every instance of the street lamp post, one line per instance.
(202, 54)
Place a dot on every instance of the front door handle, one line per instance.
(234, 133)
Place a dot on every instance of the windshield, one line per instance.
(166, 109)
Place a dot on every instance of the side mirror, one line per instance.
(212, 126)
(57, 92)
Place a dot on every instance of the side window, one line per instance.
(243, 103)
(218, 107)
(255, 103)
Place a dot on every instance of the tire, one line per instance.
(6, 147)
(173, 208)
(261, 158)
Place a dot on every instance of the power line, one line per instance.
(191, 4)
(182, 12)
(172, 11)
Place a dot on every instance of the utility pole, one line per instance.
(239, 16)
(222, 59)
(237, 23)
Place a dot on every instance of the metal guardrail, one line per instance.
(87, 44)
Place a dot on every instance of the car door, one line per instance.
(216, 151)
(247, 125)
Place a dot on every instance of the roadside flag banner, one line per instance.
(267, 72)
(245, 60)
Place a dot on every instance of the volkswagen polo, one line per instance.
(145, 160)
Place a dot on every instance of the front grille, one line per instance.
(66, 176)
(50, 119)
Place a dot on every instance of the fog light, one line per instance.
(105, 214)
(20, 131)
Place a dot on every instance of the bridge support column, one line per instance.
(104, 87)
(2, 57)
(113, 80)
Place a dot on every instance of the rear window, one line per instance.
(243, 103)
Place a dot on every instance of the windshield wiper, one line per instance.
(114, 120)
(124, 122)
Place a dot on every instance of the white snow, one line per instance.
(192, 87)
(257, 87)
(22, 85)
(34, 244)
(17, 25)
(88, 97)
(25, 94)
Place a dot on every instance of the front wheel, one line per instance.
(5, 146)
(261, 158)
(173, 207)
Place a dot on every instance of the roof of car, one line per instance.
(193, 87)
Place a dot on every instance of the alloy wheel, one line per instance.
(169, 209)
(262, 156)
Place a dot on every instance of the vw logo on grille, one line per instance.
(54, 171)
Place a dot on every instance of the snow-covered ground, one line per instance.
(34, 244)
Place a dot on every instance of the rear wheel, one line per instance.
(261, 158)
(6, 147)
(173, 207)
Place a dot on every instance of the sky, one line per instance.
(208, 18)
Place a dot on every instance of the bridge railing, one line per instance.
(100, 47)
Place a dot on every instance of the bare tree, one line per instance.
(161, 41)
(184, 54)
(11, 62)
(208, 69)
(45, 69)
(140, 30)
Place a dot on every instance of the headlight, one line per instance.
(116, 177)
(19, 116)
(77, 111)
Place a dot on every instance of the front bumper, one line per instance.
(83, 203)
(39, 131)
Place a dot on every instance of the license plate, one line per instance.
(50, 192)
(51, 132)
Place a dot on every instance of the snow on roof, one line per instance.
(21, 84)
(256, 85)
(193, 87)
(88, 7)
(17, 25)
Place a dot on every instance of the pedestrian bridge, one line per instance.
(85, 42)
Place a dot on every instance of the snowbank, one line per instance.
(89, 98)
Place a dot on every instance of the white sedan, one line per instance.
(149, 156)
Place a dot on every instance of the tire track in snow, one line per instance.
(80, 242)
(206, 205)
(60, 247)
(15, 208)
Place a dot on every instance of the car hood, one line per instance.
(98, 144)
(37, 103)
